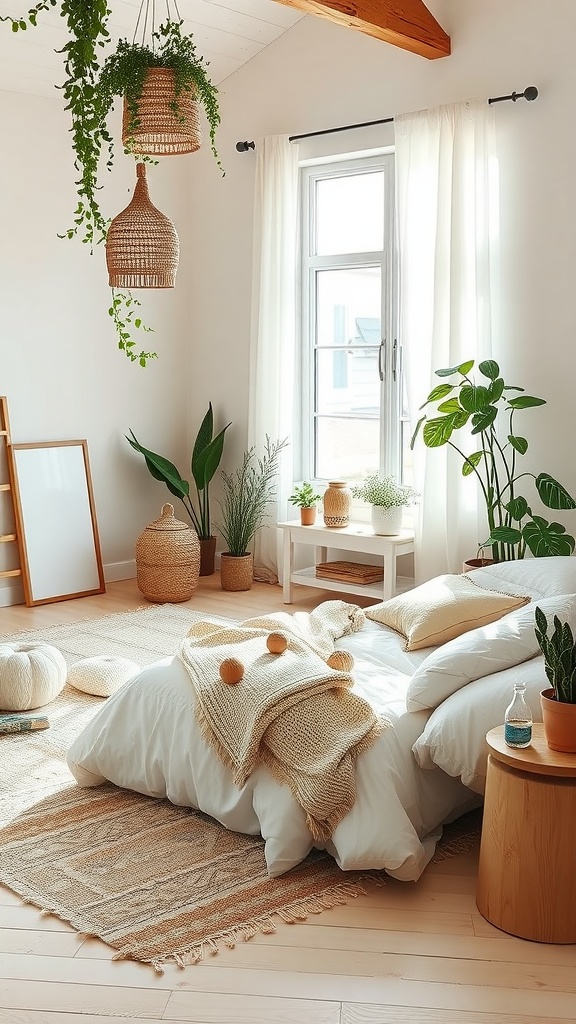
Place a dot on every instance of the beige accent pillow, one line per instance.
(441, 609)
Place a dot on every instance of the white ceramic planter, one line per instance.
(386, 521)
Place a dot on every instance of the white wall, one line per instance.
(59, 365)
(320, 75)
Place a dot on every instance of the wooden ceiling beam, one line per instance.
(404, 23)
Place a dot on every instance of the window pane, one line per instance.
(346, 449)
(348, 304)
(350, 214)
(347, 381)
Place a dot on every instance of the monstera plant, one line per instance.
(488, 410)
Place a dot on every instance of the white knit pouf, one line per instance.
(31, 675)
(101, 676)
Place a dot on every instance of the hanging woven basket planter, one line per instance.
(162, 124)
(142, 247)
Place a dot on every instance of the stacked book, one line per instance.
(350, 572)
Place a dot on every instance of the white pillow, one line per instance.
(454, 737)
(481, 652)
(540, 577)
(441, 609)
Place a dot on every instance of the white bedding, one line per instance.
(426, 769)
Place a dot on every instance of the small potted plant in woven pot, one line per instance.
(247, 493)
(559, 701)
(388, 500)
(306, 499)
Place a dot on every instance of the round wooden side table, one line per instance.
(527, 869)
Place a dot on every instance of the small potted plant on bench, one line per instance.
(388, 499)
(559, 701)
(306, 499)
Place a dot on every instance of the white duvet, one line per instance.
(426, 769)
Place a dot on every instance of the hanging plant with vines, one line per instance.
(90, 88)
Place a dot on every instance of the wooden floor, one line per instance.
(403, 954)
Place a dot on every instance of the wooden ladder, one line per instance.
(8, 487)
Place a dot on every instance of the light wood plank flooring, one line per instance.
(403, 954)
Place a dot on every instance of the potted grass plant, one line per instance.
(246, 495)
(387, 499)
(559, 700)
(306, 499)
(206, 456)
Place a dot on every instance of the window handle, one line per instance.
(382, 358)
(394, 359)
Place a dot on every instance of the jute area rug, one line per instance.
(156, 882)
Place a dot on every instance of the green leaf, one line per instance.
(489, 368)
(471, 462)
(440, 391)
(208, 460)
(504, 535)
(552, 494)
(452, 405)
(543, 538)
(161, 469)
(496, 390)
(437, 431)
(484, 419)
(464, 368)
(473, 398)
(203, 439)
(520, 444)
(416, 432)
(525, 402)
(518, 508)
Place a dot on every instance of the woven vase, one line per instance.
(159, 129)
(337, 501)
(167, 559)
(142, 247)
(236, 571)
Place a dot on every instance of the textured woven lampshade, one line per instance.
(162, 130)
(142, 248)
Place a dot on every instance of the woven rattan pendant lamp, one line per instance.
(142, 247)
(163, 124)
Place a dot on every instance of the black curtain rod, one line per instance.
(530, 93)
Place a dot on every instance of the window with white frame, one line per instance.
(354, 417)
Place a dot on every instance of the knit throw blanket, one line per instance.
(289, 712)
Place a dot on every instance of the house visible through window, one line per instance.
(354, 418)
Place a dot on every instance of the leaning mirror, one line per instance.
(56, 521)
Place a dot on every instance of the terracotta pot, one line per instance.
(207, 555)
(236, 571)
(559, 721)
(477, 563)
(308, 516)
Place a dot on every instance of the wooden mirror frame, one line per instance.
(56, 521)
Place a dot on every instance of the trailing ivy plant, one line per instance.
(124, 72)
(89, 90)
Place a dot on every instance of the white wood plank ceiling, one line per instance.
(227, 34)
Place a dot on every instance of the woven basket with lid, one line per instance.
(167, 559)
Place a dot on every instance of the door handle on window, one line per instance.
(394, 359)
(382, 363)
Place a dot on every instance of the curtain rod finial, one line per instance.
(531, 93)
(243, 147)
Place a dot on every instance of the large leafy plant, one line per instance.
(488, 411)
(559, 653)
(206, 456)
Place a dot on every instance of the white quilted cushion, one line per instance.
(101, 676)
(31, 675)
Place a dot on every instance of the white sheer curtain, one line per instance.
(272, 342)
(447, 210)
